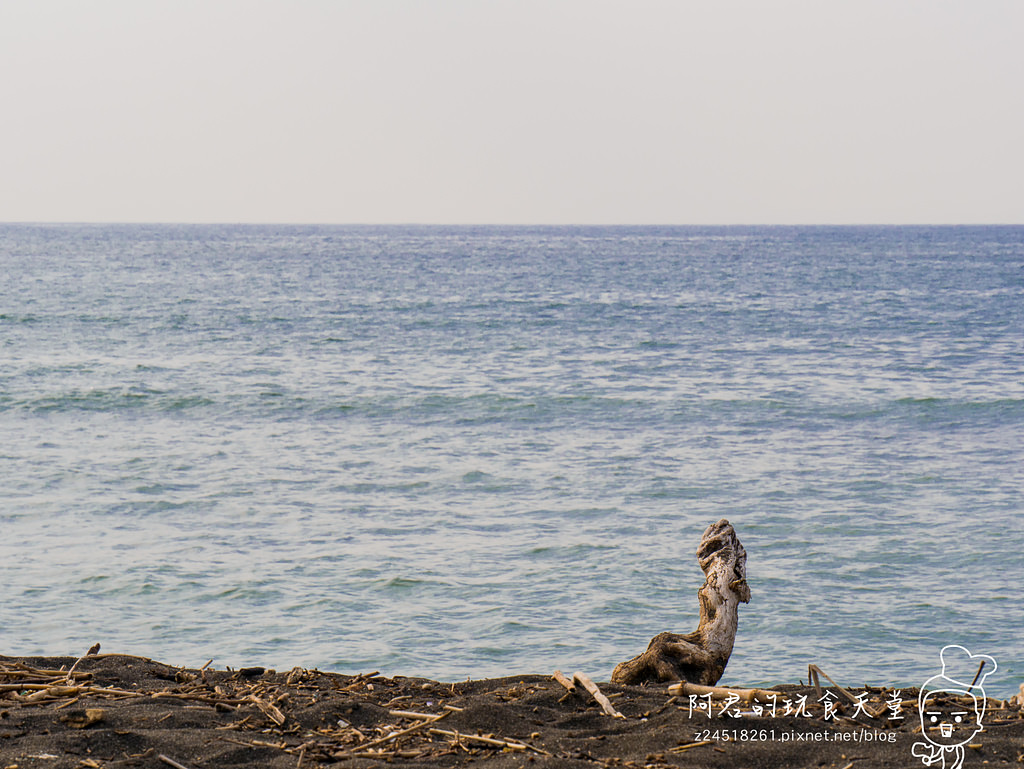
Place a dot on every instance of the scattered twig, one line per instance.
(490, 741)
(687, 746)
(591, 687)
(412, 714)
(976, 675)
(93, 651)
(569, 685)
(269, 710)
(402, 733)
(172, 762)
(258, 744)
(24, 671)
(813, 671)
(724, 692)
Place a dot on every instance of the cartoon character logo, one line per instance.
(952, 705)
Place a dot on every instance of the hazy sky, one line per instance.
(517, 111)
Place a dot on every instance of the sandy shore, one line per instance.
(122, 711)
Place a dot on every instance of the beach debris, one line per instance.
(392, 736)
(601, 699)
(171, 762)
(312, 719)
(689, 745)
(569, 685)
(268, 709)
(726, 693)
(82, 719)
(506, 744)
(268, 698)
(93, 651)
(813, 673)
(700, 657)
(584, 680)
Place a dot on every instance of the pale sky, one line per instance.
(512, 111)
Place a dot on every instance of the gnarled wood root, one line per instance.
(700, 657)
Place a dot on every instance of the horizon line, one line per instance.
(249, 223)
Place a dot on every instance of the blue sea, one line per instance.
(460, 452)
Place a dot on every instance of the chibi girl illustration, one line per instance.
(952, 705)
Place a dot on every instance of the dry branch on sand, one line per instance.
(700, 657)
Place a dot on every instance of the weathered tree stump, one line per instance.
(700, 657)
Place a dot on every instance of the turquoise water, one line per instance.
(469, 451)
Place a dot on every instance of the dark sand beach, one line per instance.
(125, 711)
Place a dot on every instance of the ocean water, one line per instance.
(476, 451)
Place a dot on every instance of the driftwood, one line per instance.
(725, 693)
(583, 680)
(606, 705)
(700, 657)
